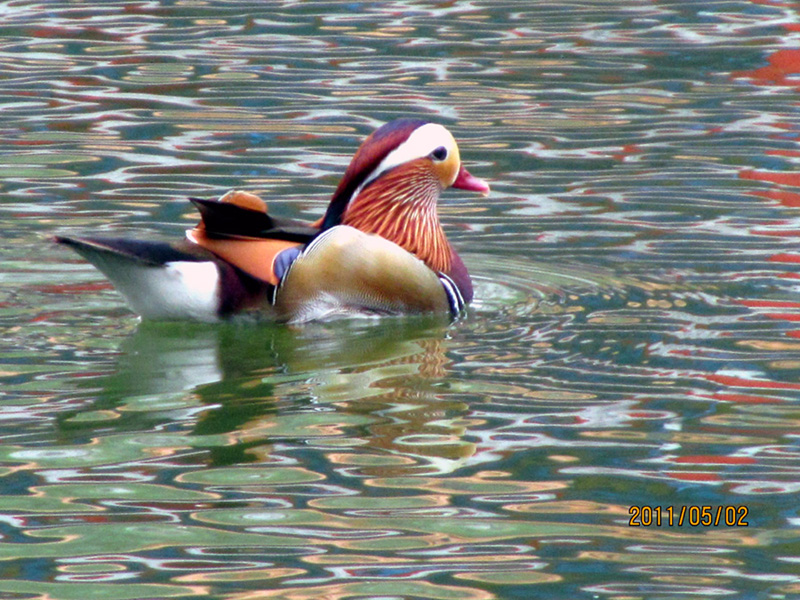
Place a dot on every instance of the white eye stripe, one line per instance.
(421, 143)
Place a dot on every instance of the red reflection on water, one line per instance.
(783, 316)
(695, 476)
(627, 151)
(779, 177)
(746, 398)
(783, 69)
(733, 381)
(768, 303)
(785, 257)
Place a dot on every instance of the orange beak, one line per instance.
(466, 181)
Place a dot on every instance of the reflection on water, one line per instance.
(633, 343)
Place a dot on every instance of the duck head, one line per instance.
(392, 188)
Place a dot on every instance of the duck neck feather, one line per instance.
(400, 206)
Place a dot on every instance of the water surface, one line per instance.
(633, 344)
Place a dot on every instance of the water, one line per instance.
(633, 344)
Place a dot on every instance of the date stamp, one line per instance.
(694, 516)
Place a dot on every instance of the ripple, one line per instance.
(519, 287)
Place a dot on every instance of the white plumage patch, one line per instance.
(176, 290)
(454, 296)
(422, 141)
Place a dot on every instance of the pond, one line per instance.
(617, 414)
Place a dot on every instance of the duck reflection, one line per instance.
(343, 385)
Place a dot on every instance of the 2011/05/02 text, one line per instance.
(695, 516)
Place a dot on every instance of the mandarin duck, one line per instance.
(378, 249)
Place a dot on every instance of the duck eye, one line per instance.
(440, 153)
